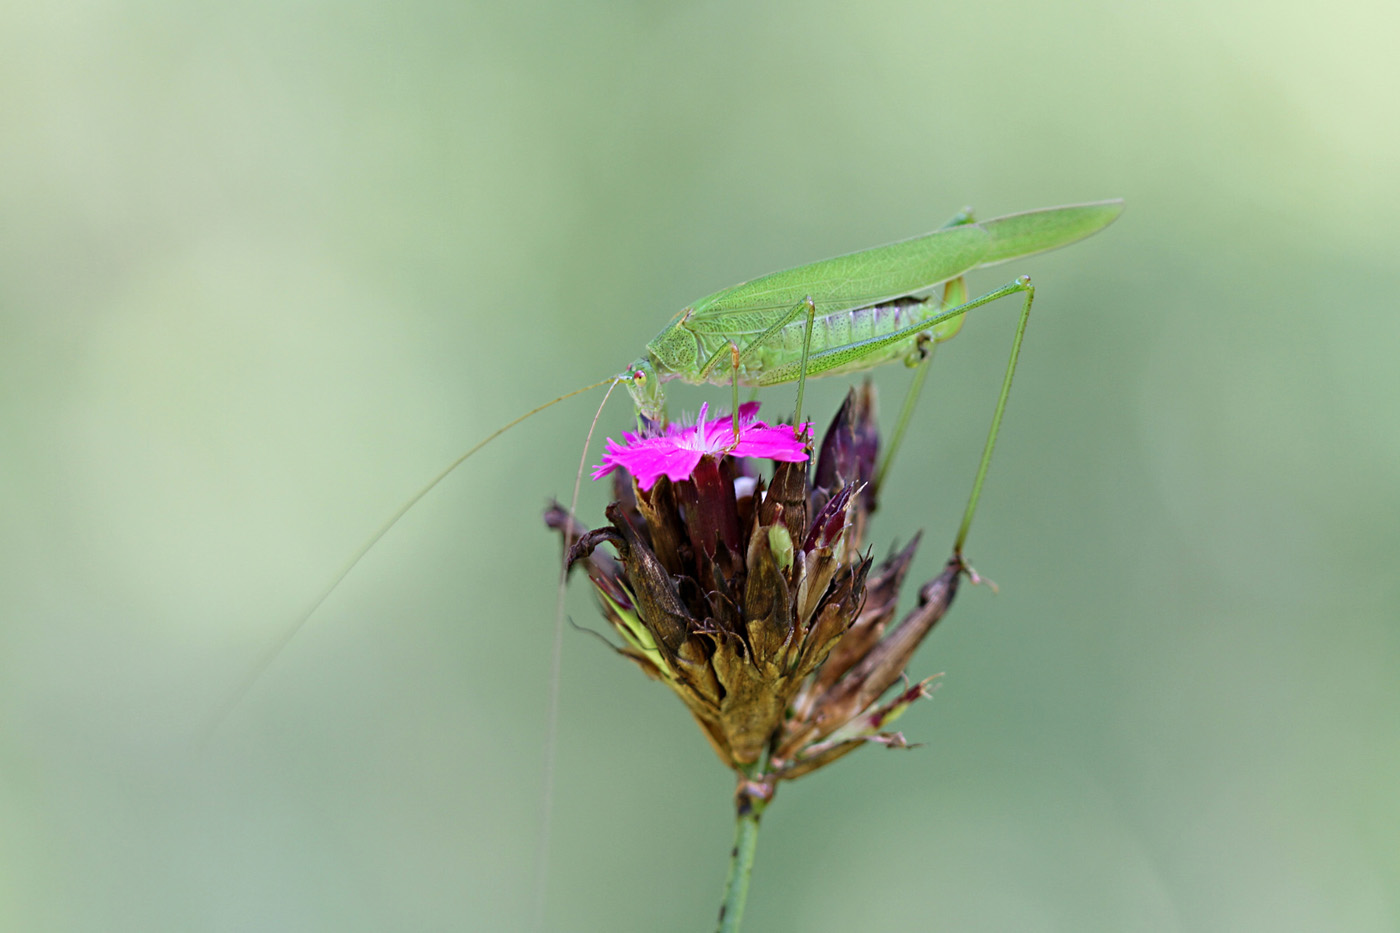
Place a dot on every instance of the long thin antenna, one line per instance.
(270, 654)
(551, 732)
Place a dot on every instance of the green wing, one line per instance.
(1017, 235)
(856, 279)
(881, 273)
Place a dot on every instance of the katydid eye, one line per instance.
(639, 376)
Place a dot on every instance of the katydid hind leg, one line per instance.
(844, 355)
(1024, 285)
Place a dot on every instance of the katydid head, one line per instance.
(645, 386)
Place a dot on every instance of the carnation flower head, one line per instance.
(753, 596)
(677, 452)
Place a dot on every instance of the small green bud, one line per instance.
(780, 542)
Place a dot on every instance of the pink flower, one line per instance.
(676, 453)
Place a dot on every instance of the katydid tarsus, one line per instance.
(833, 317)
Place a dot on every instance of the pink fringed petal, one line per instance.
(676, 453)
(776, 443)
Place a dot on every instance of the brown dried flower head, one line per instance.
(753, 601)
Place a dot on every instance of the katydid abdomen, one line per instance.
(829, 331)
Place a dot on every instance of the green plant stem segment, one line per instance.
(736, 887)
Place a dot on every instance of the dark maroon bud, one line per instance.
(836, 462)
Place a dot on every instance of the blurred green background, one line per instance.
(265, 268)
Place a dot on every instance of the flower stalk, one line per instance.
(749, 803)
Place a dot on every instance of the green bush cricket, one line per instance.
(853, 312)
(837, 316)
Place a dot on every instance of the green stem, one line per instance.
(736, 886)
